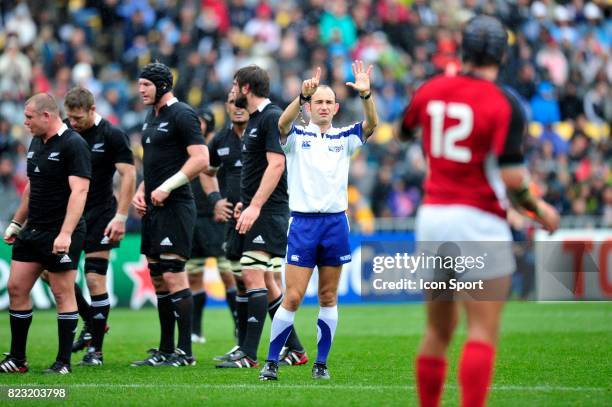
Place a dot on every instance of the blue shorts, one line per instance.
(318, 239)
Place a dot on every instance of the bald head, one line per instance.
(43, 102)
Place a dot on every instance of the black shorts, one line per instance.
(168, 229)
(97, 219)
(35, 245)
(207, 238)
(268, 234)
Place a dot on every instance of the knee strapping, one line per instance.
(171, 265)
(254, 260)
(96, 265)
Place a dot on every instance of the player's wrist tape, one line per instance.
(365, 97)
(214, 197)
(177, 180)
(119, 217)
(522, 197)
(13, 228)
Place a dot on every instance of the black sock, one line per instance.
(166, 321)
(20, 325)
(230, 297)
(66, 327)
(258, 307)
(199, 302)
(182, 302)
(293, 342)
(242, 313)
(100, 307)
(83, 306)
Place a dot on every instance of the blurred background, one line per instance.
(558, 62)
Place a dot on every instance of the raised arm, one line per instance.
(309, 86)
(362, 85)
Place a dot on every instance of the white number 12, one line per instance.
(444, 143)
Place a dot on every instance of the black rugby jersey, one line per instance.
(165, 139)
(225, 154)
(260, 137)
(109, 145)
(49, 166)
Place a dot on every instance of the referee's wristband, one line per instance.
(177, 180)
(304, 99)
(366, 97)
(214, 197)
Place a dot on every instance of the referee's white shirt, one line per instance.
(318, 166)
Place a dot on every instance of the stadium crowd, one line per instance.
(559, 65)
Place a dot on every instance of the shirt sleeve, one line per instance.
(509, 143)
(269, 127)
(215, 160)
(188, 127)
(120, 146)
(410, 118)
(78, 157)
(289, 145)
(355, 138)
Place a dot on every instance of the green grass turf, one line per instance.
(550, 354)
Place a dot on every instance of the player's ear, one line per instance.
(336, 108)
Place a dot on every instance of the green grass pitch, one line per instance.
(551, 354)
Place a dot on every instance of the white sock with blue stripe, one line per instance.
(326, 328)
(282, 325)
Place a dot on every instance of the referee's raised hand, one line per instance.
(362, 77)
(309, 86)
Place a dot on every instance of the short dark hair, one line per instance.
(257, 79)
(79, 98)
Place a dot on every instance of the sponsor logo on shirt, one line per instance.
(31, 154)
(148, 140)
(295, 257)
(98, 148)
(163, 127)
(37, 169)
(65, 259)
(253, 133)
(223, 151)
(346, 257)
(166, 242)
(238, 163)
(336, 149)
(105, 240)
(54, 156)
(144, 126)
(306, 145)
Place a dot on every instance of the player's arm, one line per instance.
(516, 179)
(362, 85)
(188, 128)
(115, 230)
(508, 143)
(222, 209)
(138, 201)
(269, 181)
(79, 186)
(309, 87)
(20, 217)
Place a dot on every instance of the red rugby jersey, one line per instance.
(470, 126)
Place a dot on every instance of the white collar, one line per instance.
(62, 129)
(97, 119)
(172, 101)
(263, 104)
(313, 127)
